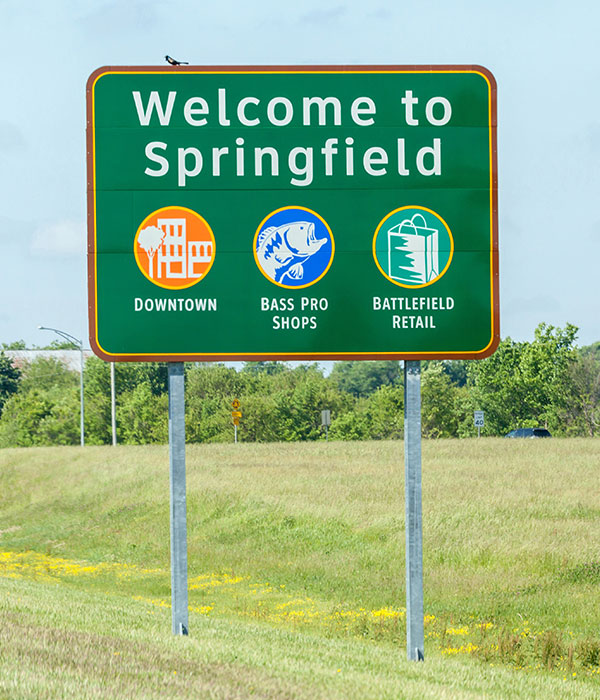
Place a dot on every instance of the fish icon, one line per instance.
(282, 250)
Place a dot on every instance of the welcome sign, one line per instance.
(292, 212)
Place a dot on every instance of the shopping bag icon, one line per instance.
(413, 251)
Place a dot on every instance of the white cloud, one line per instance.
(66, 237)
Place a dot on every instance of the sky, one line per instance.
(543, 54)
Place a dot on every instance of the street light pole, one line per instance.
(72, 339)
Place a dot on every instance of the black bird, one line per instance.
(173, 62)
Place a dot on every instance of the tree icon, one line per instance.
(150, 239)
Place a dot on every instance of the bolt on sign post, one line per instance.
(354, 207)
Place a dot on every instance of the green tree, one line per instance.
(96, 383)
(465, 404)
(143, 417)
(60, 345)
(266, 367)
(10, 375)
(498, 388)
(288, 406)
(261, 419)
(61, 425)
(362, 378)
(593, 350)
(210, 391)
(525, 384)
(21, 418)
(214, 380)
(285, 404)
(128, 376)
(300, 405)
(582, 412)
(545, 370)
(60, 386)
(45, 410)
(353, 425)
(456, 370)
(98, 425)
(384, 410)
(48, 374)
(439, 416)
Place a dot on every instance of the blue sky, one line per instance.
(544, 56)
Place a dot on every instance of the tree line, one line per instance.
(547, 382)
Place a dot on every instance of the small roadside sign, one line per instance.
(326, 422)
(236, 414)
(478, 421)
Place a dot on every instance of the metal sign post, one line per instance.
(113, 404)
(415, 634)
(179, 591)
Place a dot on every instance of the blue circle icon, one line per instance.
(293, 247)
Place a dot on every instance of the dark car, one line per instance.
(529, 433)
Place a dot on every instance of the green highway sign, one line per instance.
(296, 212)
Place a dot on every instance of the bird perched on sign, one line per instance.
(173, 62)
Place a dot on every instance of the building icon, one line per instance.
(174, 247)
(178, 258)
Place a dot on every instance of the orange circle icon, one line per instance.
(174, 247)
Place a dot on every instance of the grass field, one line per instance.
(296, 572)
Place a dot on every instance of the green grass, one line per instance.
(296, 565)
(67, 643)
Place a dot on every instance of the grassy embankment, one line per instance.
(296, 564)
